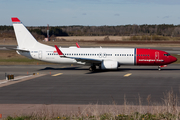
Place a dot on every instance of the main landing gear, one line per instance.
(92, 68)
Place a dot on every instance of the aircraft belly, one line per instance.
(126, 61)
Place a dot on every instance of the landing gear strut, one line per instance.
(92, 68)
(159, 68)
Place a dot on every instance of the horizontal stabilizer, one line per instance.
(24, 50)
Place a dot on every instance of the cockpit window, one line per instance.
(167, 54)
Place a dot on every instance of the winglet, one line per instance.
(15, 19)
(58, 50)
(77, 45)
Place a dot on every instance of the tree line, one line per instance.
(121, 30)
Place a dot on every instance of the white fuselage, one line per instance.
(121, 55)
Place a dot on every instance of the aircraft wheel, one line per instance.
(92, 68)
(159, 68)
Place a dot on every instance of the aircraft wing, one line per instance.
(78, 59)
(87, 60)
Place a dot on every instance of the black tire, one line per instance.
(92, 68)
(159, 68)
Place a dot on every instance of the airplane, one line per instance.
(105, 58)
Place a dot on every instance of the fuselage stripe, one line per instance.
(134, 56)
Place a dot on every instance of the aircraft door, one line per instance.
(100, 55)
(104, 55)
(40, 54)
(156, 55)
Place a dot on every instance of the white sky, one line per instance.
(90, 12)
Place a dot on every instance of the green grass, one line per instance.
(105, 116)
(18, 60)
(9, 57)
(153, 37)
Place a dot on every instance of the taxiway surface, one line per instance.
(76, 85)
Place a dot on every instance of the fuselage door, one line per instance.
(40, 54)
(156, 55)
(100, 55)
(104, 55)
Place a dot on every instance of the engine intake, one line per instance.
(109, 65)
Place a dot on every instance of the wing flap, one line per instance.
(87, 60)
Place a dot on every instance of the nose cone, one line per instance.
(173, 59)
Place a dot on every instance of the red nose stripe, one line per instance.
(15, 19)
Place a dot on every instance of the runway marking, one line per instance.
(57, 74)
(127, 75)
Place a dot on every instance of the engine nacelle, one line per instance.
(109, 65)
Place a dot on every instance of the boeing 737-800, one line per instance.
(105, 58)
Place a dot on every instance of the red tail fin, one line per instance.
(15, 19)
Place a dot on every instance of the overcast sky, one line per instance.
(90, 12)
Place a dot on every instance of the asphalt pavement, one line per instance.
(76, 85)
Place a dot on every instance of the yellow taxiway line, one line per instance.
(57, 74)
(127, 75)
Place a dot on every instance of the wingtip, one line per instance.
(15, 19)
(58, 50)
(77, 45)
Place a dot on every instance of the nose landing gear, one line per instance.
(159, 67)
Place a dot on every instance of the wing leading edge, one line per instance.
(78, 59)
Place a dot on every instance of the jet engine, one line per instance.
(109, 65)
